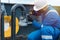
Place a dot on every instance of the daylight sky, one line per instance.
(51, 2)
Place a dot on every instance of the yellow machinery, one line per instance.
(7, 22)
(10, 20)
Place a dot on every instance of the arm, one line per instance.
(34, 20)
(36, 24)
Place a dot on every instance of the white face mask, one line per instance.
(6, 26)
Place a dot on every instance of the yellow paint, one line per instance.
(7, 33)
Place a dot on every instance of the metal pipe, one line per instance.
(0, 21)
(13, 20)
(2, 26)
(13, 26)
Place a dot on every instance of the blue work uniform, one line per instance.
(49, 26)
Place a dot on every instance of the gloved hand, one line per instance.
(31, 17)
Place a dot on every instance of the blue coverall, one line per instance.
(50, 29)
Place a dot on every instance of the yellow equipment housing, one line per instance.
(7, 33)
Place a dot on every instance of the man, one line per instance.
(47, 19)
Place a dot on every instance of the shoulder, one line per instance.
(52, 12)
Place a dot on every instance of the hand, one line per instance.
(29, 18)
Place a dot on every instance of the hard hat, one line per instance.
(40, 4)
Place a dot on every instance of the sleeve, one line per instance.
(36, 24)
(51, 18)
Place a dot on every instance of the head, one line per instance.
(40, 6)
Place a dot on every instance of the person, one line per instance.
(47, 20)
